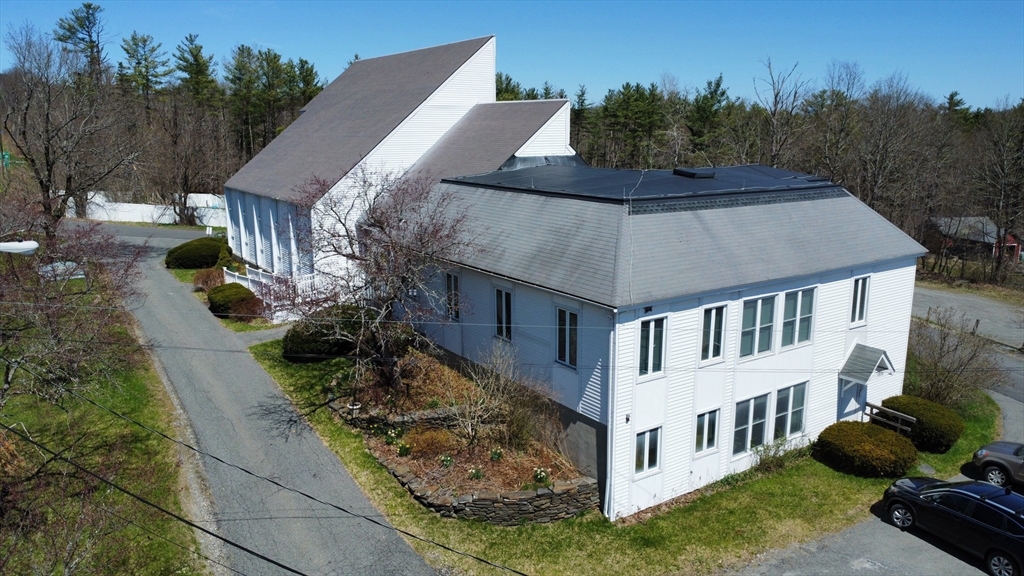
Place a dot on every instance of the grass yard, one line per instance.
(187, 276)
(140, 539)
(718, 529)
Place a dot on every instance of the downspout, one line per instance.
(609, 472)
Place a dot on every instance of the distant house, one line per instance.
(970, 236)
(681, 318)
(685, 317)
(431, 110)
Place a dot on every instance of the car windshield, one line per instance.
(939, 486)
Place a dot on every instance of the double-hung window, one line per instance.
(758, 320)
(750, 424)
(859, 306)
(707, 431)
(713, 334)
(451, 295)
(652, 346)
(789, 410)
(647, 450)
(797, 312)
(503, 314)
(567, 328)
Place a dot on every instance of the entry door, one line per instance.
(853, 398)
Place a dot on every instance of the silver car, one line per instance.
(1001, 462)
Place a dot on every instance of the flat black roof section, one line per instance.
(613, 185)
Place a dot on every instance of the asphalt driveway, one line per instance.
(219, 386)
(875, 546)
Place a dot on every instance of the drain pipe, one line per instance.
(609, 472)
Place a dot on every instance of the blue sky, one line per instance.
(976, 48)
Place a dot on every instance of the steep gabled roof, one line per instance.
(863, 362)
(579, 238)
(352, 115)
(487, 136)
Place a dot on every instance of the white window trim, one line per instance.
(796, 329)
(789, 410)
(452, 289)
(711, 360)
(859, 313)
(706, 450)
(568, 337)
(750, 425)
(505, 327)
(650, 375)
(659, 451)
(776, 327)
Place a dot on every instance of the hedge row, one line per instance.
(199, 253)
(864, 449)
(937, 428)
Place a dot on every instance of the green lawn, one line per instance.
(141, 540)
(718, 530)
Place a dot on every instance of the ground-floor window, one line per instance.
(707, 431)
(750, 424)
(789, 410)
(647, 450)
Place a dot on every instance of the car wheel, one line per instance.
(1000, 564)
(995, 475)
(901, 516)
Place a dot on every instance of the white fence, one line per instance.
(210, 210)
(271, 287)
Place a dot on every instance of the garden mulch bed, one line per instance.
(431, 385)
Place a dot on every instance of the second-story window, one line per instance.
(567, 327)
(758, 320)
(652, 346)
(503, 314)
(859, 306)
(451, 295)
(713, 334)
(797, 312)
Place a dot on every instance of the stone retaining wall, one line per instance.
(561, 500)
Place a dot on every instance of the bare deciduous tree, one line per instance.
(780, 101)
(70, 131)
(950, 361)
(380, 245)
(62, 310)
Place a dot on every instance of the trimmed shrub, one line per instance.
(315, 339)
(199, 253)
(208, 279)
(863, 449)
(937, 427)
(234, 301)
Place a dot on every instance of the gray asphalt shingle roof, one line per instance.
(974, 228)
(352, 115)
(619, 252)
(487, 136)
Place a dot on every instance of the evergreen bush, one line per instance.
(319, 336)
(194, 254)
(863, 449)
(234, 301)
(937, 428)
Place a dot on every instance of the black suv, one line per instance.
(983, 519)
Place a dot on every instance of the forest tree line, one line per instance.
(162, 124)
(141, 122)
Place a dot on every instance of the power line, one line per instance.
(129, 493)
(288, 488)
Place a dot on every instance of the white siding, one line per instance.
(691, 387)
(552, 139)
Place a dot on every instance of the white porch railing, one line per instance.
(273, 288)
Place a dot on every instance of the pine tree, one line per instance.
(82, 32)
(144, 69)
(199, 78)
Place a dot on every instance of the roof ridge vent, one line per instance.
(697, 174)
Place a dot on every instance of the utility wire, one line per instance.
(57, 456)
(288, 488)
